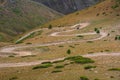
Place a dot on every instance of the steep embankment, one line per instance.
(18, 16)
(68, 6)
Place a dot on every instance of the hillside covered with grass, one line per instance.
(84, 45)
(106, 9)
(18, 16)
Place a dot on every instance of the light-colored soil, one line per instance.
(11, 49)
(20, 64)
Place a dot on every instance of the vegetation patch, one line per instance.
(83, 78)
(46, 62)
(68, 51)
(115, 6)
(89, 67)
(59, 61)
(89, 41)
(56, 71)
(117, 37)
(16, 11)
(114, 69)
(47, 65)
(97, 30)
(61, 46)
(11, 56)
(60, 66)
(30, 36)
(50, 26)
(80, 59)
(80, 36)
(28, 43)
(1, 37)
(13, 78)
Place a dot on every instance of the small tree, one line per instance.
(95, 29)
(68, 51)
(50, 26)
(98, 31)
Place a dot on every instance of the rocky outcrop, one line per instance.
(68, 6)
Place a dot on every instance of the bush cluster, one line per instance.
(80, 59)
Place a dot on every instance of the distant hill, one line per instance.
(68, 6)
(18, 16)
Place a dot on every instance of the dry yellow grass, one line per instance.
(109, 23)
(69, 72)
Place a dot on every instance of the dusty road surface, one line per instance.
(12, 48)
(21, 64)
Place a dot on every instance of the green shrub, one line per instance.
(61, 46)
(46, 62)
(84, 78)
(77, 13)
(80, 59)
(42, 66)
(28, 43)
(16, 11)
(11, 56)
(50, 26)
(115, 6)
(114, 69)
(89, 41)
(89, 67)
(18, 42)
(59, 61)
(80, 36)
(56, 71)
(68, 51)
(117, 15)
(111, 76)
(107, 50)
(97, 30)
(97, 14)
(60, 66)
(13, 78)
(117, 37)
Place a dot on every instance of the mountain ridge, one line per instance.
(68, 6)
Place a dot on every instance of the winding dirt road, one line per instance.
(21, 64)
(12, 48)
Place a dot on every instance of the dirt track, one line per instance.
(11, 49)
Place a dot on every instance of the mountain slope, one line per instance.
(68, 6)
(107, 9)
(17, 16)
(104, 15)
